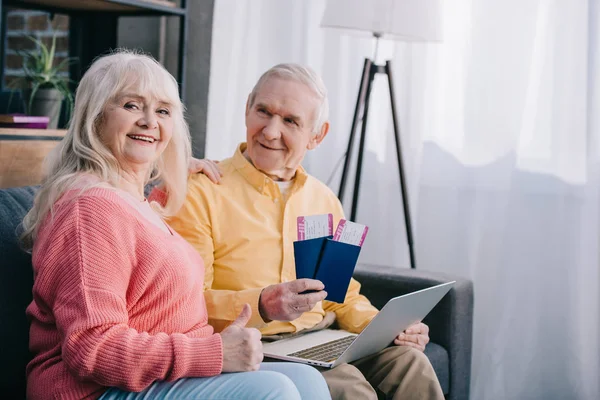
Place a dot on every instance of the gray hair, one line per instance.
(302, 74)
(81, 152)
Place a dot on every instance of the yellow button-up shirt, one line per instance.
(244, 230)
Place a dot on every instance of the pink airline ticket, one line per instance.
(314, 226)
(350, 232)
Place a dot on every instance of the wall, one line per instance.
(37, 24)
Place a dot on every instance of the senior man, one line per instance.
(245, 226)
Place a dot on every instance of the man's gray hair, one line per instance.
(302, 74)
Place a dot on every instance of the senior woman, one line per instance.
(118, 310)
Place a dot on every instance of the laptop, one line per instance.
(331, 347)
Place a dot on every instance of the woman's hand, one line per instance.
(242, 348)
(209, 168)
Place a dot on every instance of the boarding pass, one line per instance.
(350, 232)
(315, 226)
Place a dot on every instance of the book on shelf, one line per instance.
(23, 121)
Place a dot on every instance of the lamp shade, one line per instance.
(407, 20)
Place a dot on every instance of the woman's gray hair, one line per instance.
(82, 152)
(302, 74)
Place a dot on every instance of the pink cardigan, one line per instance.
(116, 302)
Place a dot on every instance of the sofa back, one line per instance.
(16, 280)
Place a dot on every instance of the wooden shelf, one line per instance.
(22, 152)
(27, 133)
(163, 7)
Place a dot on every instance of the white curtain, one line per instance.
(501, 141)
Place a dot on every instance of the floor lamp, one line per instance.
(405, 20)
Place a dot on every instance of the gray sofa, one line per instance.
(450, 321)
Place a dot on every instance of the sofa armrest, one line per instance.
(450, 322)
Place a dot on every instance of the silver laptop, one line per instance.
(329, 347)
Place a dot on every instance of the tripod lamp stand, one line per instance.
(405, 20)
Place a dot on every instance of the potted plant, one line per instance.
(44, 89)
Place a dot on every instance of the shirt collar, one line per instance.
(261, 182)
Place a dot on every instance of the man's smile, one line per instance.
(267, 147)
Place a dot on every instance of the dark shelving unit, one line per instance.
(146, 7)
(93, 26)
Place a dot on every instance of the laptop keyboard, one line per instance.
(326, 352)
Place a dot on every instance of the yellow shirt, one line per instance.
(244, 230)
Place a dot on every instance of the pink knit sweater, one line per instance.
(116, 302)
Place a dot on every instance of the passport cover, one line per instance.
(329, 261)
(307, 254)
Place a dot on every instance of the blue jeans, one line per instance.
(288, 381)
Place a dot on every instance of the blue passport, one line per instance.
(329, 261)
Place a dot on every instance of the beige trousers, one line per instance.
(397, 372)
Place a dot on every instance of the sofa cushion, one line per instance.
(16, 280)
(441, 364)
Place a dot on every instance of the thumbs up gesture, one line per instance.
(242, 348)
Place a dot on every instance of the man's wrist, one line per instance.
(261, 308)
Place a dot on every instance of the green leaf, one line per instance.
(63, 63)
(34, 90)
(50, 59)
